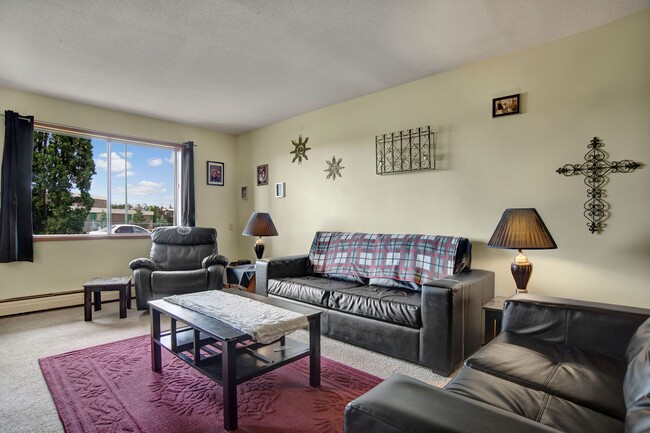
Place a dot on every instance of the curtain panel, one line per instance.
(187, 184)
(16, 233)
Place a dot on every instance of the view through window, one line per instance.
(99, 186)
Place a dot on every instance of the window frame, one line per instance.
(109, 138)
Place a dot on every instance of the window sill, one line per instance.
(50, 238)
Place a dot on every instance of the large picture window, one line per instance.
(98, 185)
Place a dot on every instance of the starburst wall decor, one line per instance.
(334, 168)
(300, 149)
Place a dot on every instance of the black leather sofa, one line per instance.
(436, 324)
(557, 366)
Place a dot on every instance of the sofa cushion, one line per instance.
(534, 404)
(310, 289)
(555, 368)
(383, 303)
(636, 387)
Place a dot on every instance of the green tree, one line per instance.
(62, 164)
(138, 216)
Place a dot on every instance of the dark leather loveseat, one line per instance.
(558, 366)
(413, 297)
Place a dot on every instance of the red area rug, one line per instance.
(111, 388)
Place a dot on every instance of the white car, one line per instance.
(121, 229)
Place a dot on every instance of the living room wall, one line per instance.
(63, 266)
(595, 83)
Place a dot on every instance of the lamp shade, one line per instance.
(260, 224)
(521, 229)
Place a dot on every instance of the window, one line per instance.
(84, 183)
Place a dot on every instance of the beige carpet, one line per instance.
(25, 402)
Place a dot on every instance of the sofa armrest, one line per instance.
(280, 267)
(452, 318)
(403, 404)
(599, 328)
(143, 290)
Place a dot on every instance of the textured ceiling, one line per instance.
(236, 65)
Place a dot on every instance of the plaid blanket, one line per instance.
(414, 258)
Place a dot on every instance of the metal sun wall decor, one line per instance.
(404, 151)
(300, 149)
(595, 169)
(334, 168)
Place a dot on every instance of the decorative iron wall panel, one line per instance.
(404, 151)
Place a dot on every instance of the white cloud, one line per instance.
(118, 164)
(144, 188)
(154, 162)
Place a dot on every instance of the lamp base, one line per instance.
(259, 248)
(521, 269)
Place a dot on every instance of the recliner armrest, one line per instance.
(214, 259)
(403, 404)
(143, 263)
(280, 267)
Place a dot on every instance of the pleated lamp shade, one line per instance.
(260, 224)
(521, 229)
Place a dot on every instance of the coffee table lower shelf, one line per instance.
(252, 360)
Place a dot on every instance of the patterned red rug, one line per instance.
(111, 388)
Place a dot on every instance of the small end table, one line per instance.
(98, 285)
(241, 277)
(493, 311)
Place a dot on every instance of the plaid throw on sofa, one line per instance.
(417, 258)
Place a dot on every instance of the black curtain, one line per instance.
(187, 184)
(16, 234)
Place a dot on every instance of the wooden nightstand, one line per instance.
(493, 312)
(241, 277)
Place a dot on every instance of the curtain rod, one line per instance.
(106, 135)
(19, 116)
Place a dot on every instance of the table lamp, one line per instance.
(521, 229)
(260, 224)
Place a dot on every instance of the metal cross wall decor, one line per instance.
(595, 169)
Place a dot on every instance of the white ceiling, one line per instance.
(236, 65)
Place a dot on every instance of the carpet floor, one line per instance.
(26, 405)
(111, 388)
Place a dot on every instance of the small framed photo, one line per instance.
(215, 173)
(262, 174)
(505, 105)
(279, 190)
(244, 193)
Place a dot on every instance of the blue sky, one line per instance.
(149, 173)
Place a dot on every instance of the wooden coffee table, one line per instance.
(227, 355)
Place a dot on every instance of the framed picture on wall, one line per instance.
(505, 105)
(215, 173)
(262, 174)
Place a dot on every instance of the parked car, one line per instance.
(121, 229)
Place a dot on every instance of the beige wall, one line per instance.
(63, 266)
(596, 83)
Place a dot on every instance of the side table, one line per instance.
(98, 285)
(493, 312)
(242, 276)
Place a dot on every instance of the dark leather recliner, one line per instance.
(182, 260)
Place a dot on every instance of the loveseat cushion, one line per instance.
(590, 380)
(383, 303)
(310, 289)
(533, 404)
(636, 387)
